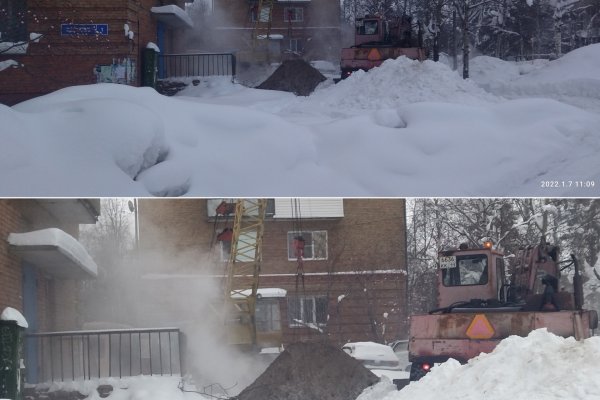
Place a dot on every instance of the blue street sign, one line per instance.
(83, 29)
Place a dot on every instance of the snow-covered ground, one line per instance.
(541, 366)
(404, 129)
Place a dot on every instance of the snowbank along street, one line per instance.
(403, 129)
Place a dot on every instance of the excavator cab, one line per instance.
(470, 275)
(368, 30)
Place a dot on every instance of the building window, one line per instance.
(308, 208)
(307, 311)
(295, 46)
(315, 245)
(246, 250)
(268, 318)
(293, 14)
(13, 21)
(265, 13)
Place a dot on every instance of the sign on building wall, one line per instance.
(84, 29)
(120, 71)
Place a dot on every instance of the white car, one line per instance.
(400, 347)
(380, 359)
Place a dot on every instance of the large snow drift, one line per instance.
(573, 78)
(403, 129)
(541, 366)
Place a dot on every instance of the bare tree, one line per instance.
(110, 242)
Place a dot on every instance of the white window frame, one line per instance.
(296, 47)
(298, 11)
(268, 315)
(306, 302)
(307, 244)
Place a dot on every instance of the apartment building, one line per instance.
(296, 28)
(47, 45)
(350, 284)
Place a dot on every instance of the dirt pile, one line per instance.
(296, 76)
(309, 371)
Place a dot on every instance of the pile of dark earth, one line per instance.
(311, 371)
(296, 76)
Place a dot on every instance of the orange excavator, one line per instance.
(377, 39)
(477, 306)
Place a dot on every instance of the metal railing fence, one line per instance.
(84, 355)
(189, 65)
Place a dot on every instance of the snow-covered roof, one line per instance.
(10, 314)
(55, 252)
(173, 16)
(371, 351)
(272, 36)
(261, 293)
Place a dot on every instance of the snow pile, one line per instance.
(8, 64)
(404, 129)
(574, 79)
(490, 72)
(541, 366)
(398, 82)
(582, 63)
(209, 87)
(134, 388)
(10, 314)
(76, 130)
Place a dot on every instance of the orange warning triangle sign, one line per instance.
(373, 55)
(480, 328)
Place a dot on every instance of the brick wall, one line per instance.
(368, 239)
(57, 304)
(10, 264)
(319, 32)
(59, 61)
(370, 234)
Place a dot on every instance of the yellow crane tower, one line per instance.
(243, 271)
(262, 27)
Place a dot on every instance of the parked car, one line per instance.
(380, 359)
(400, 347)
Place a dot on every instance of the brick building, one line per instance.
(354, 270)
(307, 28)
(53, 44)
(41, 261)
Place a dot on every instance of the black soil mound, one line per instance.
(311, 371)
(296, 76)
